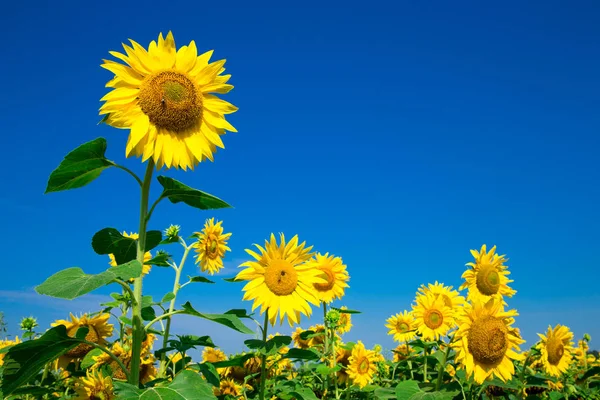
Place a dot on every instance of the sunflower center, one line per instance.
(171, 101)
(433, 319)
(363, 367)
(488, 340)
(212, 246)
(82, 349)
(281, 277)
(555, 349)
(328, 276)
(402, 326)
(488, 280)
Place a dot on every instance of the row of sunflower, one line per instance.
(450, 345)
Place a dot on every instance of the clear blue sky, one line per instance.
(394, 134)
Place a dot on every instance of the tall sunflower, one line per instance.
(147, 257)
(94, 386)
(432, 317)
(485, 344)
(451, 297)
(556, 347)
(99, 330)
(164, 97)
(362, 365)
(403, 326)
(488, 276)
(334, 272)
(280, 281)
(211, 246)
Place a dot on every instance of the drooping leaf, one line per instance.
(301, 354)
(187, 385)
(159, 260)
(187, 342)
(346, 311)
(88, 360)
(306, 334)
(80, 167)
(210, 373)
(406, 389)
(239, 312)
(304, 394)
(177, 192)
(231, 280)
(148, 313)
(71, 283)
(269, 347)
(233, 362)
(230, 320)
(200, 279)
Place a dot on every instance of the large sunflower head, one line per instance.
(280, 280)
(485, 344)
(211, 246)
(402, 326)
(433, 317)
(487, 277)
(94, 386)
(345, 322)
(147, 257)
(334, 272)
(165, 97)
(99, 330)
(556, 347)
(228, 387)
(362, 365)
(451, 297)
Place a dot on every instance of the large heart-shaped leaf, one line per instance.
(406, 389)
(187, 385)
(230, 320)
(71, 283)
(111, 241)
(80, 167)
(177, 192)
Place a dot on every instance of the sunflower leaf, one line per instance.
(233, 362)
(88, 360)
(210, 373)
(304, 394)
(80, 167)
(187, 385)
(71, 283)
(301, 354)
(177, 192)
(111, 241)
(230, 320)
(199, 279)
(406, 389)
(344, 311)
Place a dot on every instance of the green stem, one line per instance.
(409, 362)
(138, 328)
(130, 172)
(424, 362)
(125, 286)
(263, 363)
(167, 315)
(522, 377)
(441, 369)
(326, 348)
(111, 355)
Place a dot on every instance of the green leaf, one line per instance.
(153, 239)
(37, 392)
(210, 373)
(200, 279)
(384, 393)
(167, 297)
(433, 396)
(187, 342)
(406, 389)
(80, 167)
(306, 334)
(177, 192)
(239, 312)
(304, 394)
(323, 369)
(346, 311)
(231, 280)
(233, 362)
(269, 347)
(591, 372)
(160, 260)
(301, 354)
(71, 283)
(148, 313)
(111, 241)
(187, 385)
(88, 360)
(230, 320)
(25, 360)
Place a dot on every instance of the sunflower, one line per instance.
(211, 246)
(488, 276)
(345, 322)
(213, 355)
(7, 343)
(556, 347)
(298, 341)
(280, 280)
(432, 317)
(163, 96)
(402, 326)
(451, 297)
(147, 257)
(99, 330)
(401, 352)
(484, 343)
(343, 354)
(362, 365)
(147, 343)
(334, 272)
(228, 387)
(94, 386)
(123, 352)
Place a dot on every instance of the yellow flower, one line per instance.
(362, 365)
(484, 344)
(450, 370)
(280, 280)
(488, 276)
(298, 341)
(123, 352)
(7, 343)
(163, 96)
(403, 326)
(558, 385)
(147, 257)
(555, 348)
(94, 386)
(451, 297)
(213, 355)
(342, 359)
(99, 330)
(334, 272)
(345, 322)
(432, 317)
(228, 387)
(211, 246)
(401, 352)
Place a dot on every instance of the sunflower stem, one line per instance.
(326, 348)
(412, 375)
(136, 312)
(263, 363)
(441, 369)
(130, 172)
(111, 355)
(424, 362)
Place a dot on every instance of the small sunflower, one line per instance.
(94, 386)
(147, 257)
(362, 365)
(213, 355)
(451, 297)
(298, 341)
(99, 330)
(556, 347)
(211, 246)
(228, 387)
(343, 354)
(163, 96)
(280, 280)
(432, 317)
(345, 322)
(484, 343)
(488, 276)
(403, 326)
(334, 272)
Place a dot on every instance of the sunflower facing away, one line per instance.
(556, 347)
(147, 257)
(99, 330)
(433, 318)
(164, 96)
(333, 270)
(345, 322)
(228, 387)
(401, 352)
(488, 276)
(451, 297)
(94, 386)
(280, 280)
(362, 365)
(485, 344)
(343, 354)
(403, 326)
(211, 246)
(298, 341)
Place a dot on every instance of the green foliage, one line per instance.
(230, 320)
(177, 192)
(124, 249)
(200, 279)
(187, 385)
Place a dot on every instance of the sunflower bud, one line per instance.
(587, 337)
(172, 233)
(28, 323)
(332, 318)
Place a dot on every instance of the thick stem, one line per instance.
(263, 363)
(424, 363)
(409, 362)
(441, 369)
(326, 348)
(136, 317)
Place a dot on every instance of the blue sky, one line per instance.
(397, 135)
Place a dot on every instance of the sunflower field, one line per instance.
(459, 343)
